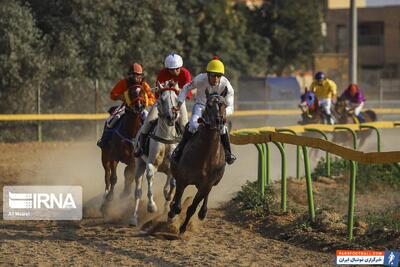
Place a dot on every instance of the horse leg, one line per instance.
(169, 187)
(203, 210)
(150, 171)
(175, 207)
(191, 210)
(113, 180)
(129, 174)
(140, 168)
(107, 179)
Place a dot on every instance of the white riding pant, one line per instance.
(325, 104)
(197, 112)
(357, 107)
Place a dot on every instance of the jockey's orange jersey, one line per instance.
(122, 86)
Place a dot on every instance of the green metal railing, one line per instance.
(327, 158)
(264, 168)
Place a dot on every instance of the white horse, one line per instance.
(161, 145)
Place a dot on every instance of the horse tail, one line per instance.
(371, 114)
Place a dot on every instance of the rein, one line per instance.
(163, 140)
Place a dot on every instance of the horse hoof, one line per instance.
(168, 197)
(151, 208)
(182, 229)
(202, 215)
(133, 221)
(177, 210)
(103, 209)
(171, 214)
(109, 197)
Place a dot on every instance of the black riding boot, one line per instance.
(140, 149)
(229, 157)
(176, 154)
(102, 140)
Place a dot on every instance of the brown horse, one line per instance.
(120, 147)
(345, 117)
(203, 160)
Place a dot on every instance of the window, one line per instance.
(370, 33)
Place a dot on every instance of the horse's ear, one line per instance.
(225, 92)
(207, 93)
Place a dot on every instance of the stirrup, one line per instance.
(100, 143)
(230, 159)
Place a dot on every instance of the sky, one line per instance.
(382, 2)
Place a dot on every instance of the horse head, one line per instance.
(340, 106)
(168, 98)
(136, 102)
(308, 102)
(214, 115)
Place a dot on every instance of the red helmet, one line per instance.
(353, 88)
(135, 68)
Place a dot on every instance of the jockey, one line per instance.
(356, 99)
(134, 78)
(174, 72)
(215, 82)
(325, 90)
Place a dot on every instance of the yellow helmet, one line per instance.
(216, 65)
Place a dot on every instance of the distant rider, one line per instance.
(325, 90)
(356, 99)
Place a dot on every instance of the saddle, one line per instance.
(153, 125)
(116, 113)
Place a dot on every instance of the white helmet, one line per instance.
(173, 61)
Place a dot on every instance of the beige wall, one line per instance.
(334, 4)
(370, 55)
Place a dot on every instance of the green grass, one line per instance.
(368, 175)
(249, 199)
(387, 218)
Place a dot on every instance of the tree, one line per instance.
(294, 28)
(220, 28)
(23, 65)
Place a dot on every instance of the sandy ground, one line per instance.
(94, 241)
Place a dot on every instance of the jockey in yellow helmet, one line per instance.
(215, 82)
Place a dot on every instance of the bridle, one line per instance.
(160, 112)
(220, 120)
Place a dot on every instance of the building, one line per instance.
(378, 43)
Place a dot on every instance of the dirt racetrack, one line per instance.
(218, 241)
(93, 241)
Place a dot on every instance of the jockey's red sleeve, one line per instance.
(118, 89)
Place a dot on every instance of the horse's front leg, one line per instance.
(140, 168)
(151, 169)
(169, 187)
(109, 194)
(175, 207)
(201, 193)
(129, 174)
(203, 210)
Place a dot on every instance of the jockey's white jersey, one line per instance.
(200, 82)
